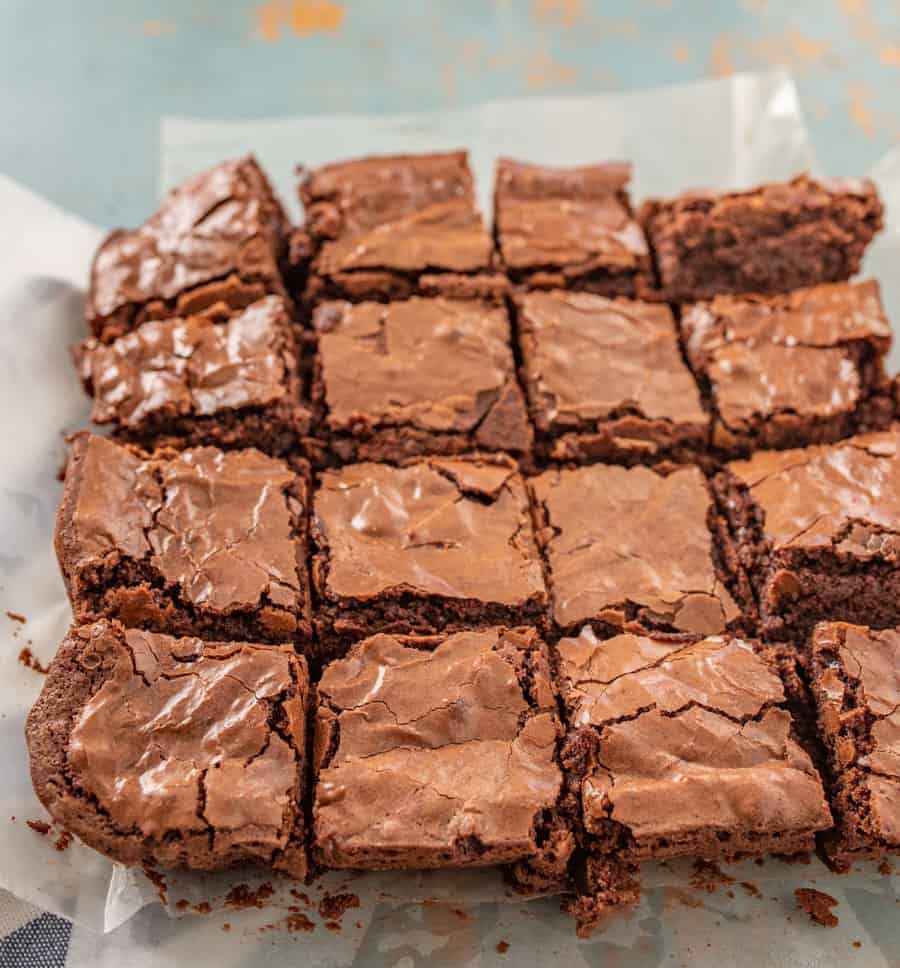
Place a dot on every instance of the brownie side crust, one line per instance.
(217, 238)
(174, 751)
(205, 542)
(769, 239)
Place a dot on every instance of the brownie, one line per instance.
(204, 542)
(819, 532)
(606, 380)
(230, 380)
(440, 544)
(789, 370)
(855, 679)
(435, 751)
(184, 753)
(388, 227)
(417, 377)
(570, 228)
(215, 239)
(769, 239)
(636, 548)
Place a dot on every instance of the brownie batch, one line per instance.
(413, 546)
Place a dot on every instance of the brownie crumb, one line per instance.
(856, 944)
(332, 907)
(462, 915)
(817, 905)
(297, 922)
(885, 868)
(158, 881)
(204, 907)
(39, 826)
(709, 877)
(63, 841)
(31, 661)
(182, 904)
(301, 896)
(333, 925)
(502, 947)
(16, 617)
(751, 889)
(226, 926)
(242, 896)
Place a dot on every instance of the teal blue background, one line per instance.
(83, 83)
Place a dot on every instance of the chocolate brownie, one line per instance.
(819, 532)
(174, 751)
(417, 377)
(205, 542)
(220, 379)
(435, 751)
(217, 238)
(388, 227)
(683, 746)
(606, 381)
(636, 547)
(788, 370)
(436, 545)
(855, 680)
(570, 228)
(769, 239)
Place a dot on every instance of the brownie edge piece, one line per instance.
(178, 752)
(769, 239)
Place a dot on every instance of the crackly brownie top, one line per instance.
(617, 538)
(454, 528)
(558, 217)
(587, 358)
(841, 497)
(691, 735)
(430, 740)
(217, 525)
(406, 213)
(222, 221)
(195, 366)
(765, 354)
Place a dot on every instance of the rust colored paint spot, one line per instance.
(300, 17)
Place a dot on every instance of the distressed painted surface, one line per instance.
(82, 85)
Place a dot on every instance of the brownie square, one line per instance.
(788, 370)
(177, 752)
(215, 239)
(819, 532)
(205, 542)
(229, 380)
(856, 686)
(636, 547)
(437, 545)
(570, 228)
(606, 381)
(418, 377)
(435, 752)
(768, 239)
(388, 227)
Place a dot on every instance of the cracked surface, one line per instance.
(769, 239)
(205, 541)
(605, 378)
(856, 686)
(695, 752)
(629, 544)
(791, 369)
(176, 751)
(214, 239)
(424, 546)
(569, 227)
(441, 368)
(177, 378)
(435, 751)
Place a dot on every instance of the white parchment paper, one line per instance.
(728, 133)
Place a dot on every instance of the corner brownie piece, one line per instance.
(418, 377)
(855, 681)
(215, 239)
(769, 239)
(606, 381)
(205, 542)
(437, 545)
(179, 752)
(784, 371)
(636, 547)
(220, 379)
(570, 228)
(819, 532)
(682, 746)
(388, 227)
(435, 752)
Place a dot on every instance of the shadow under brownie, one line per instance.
(184, 753)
